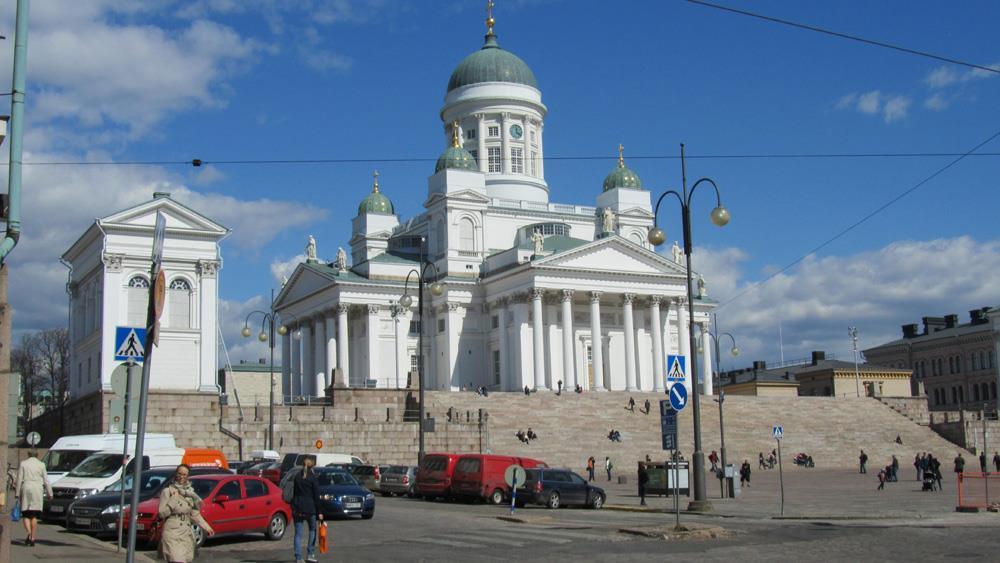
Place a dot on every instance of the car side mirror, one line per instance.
(222, 498)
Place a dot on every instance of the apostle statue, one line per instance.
(341, 262)
(311, 250)
(676, 251)
(539, 241)
(609, 220)
(701, 287)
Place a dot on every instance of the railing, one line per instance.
(974, 491)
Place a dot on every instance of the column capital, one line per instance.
(208, 268)
(595, 296)
(112, 262)
(343, 308)
(453, 307)
(654, 300)
(373, 309)
(680, 301)
(567, 295)
(628, 298)
(536, 293)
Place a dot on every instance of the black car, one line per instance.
(558, 487)
(98, 513)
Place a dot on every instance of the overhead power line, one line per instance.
(860, 221)
(845, 36)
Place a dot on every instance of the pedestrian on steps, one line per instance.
(881, 480)
(996, 460)
(591, 462)
(631, 404)
(863, 462)
(643, 479)
(608, 466)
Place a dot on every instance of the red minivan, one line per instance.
(482, 476)
(434, 475)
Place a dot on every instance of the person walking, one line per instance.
(881, 480)
(996, 460)
(959, 463)
(608, 466)
(917, 464)
(643, 479)
(982, 461)
(760, 461)
(646, 405)
(591, 462)
(863, 461)
(179, 507)
(559, 392)
(745, 473)
(713, 458)
(895, 469)
(306, 509)
(631, 404)
(935, 467)
(31, 490)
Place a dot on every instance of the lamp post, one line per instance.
(269, 338)
(853, 333)
(437, 288)
(720, 216)
(735, 351)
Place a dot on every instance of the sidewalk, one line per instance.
(56, 544)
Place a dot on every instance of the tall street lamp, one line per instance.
(852, 331)
(720, 216)
(735, 351)
(437, 289)
(269, 338)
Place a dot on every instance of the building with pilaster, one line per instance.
(534, 292)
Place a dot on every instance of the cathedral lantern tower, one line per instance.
(494, 97)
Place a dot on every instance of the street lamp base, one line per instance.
(700, 506)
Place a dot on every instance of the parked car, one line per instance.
(558, 487)
(98, 513)
(270, 470)
(369, 475)
(434, 475)
(240, 467)
(342, 495)
(294, 459)
(399, 480)
(481, 476)
(233, 505)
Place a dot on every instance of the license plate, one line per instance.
(82, 521)
(57, 508)
(140, 526)
(352, 505)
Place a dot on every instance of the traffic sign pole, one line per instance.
(778, 435)
(125, 428)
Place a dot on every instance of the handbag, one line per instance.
(15, 513)
(323, 545)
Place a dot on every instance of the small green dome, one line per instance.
(622, 176)
(456, 158)
(491, 64)
(376, 203)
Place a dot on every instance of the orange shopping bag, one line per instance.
(323, 545)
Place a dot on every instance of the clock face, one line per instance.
(516, 131)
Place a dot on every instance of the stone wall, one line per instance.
(913, 408)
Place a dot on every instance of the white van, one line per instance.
(69, 451)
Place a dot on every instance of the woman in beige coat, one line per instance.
(179, 506)
(32, 487)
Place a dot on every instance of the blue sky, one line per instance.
(225, 80)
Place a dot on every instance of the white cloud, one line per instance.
(876, 291)
(846, 101)
(937, 102)
(891, 107)
(896, 108)
(282, 269)
(941, 77)
(232, 315)
(869, 102)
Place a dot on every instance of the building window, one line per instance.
(531, 135)
(493, 159)
(179, 304)
(470, 134)
(496, 367)
(440, 325)
(475, 156)
(414, 327)
(975, 392)
(495, 321)
(517, 160)
(138, 300)
(466, 235)
(440, 236)
(991, 359)
(993, 390)
(534, 163)
(493, 130)
(982, 361)
(975, 364)
(951, 364)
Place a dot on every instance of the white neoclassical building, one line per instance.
(535, 292)
(109, 287)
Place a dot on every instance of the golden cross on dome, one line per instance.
(489, 16)
(375, 185)
(454, 134)
(621, 158)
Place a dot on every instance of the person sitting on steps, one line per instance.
(531, 434)
(578, 389)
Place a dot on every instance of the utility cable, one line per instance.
(860, 221)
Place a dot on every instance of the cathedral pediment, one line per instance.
(178, 217)
(306, 280)
(611, 254)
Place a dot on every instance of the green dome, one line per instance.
(622, 177)
(456, 158)
(376, 203)
(491, 64)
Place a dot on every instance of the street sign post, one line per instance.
(668, 425)
(778, 434)
(678, 396)
(676, 369)
(515, 477)
(130, 343)
(33, 438)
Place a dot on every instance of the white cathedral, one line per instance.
(531, 292)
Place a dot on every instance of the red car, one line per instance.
(481, 476)
(434, 475)
(270, 470)
(232, 505)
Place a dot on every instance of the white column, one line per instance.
(629, 342)
(286, 366)
(706, 360)
(539, 338)
(597, 341)
(541, 152)
(374, 328)
(331, 348)
(343, 359)
(319, 357)
(505, 383)
(656, 324)
(504, 143)
(481, 136)
(684, 341)
(208, 294)
(308, 360)
(296, 356)
(453, 326)
(569, 354)
(401, 325)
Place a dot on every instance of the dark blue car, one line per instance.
(342, 495)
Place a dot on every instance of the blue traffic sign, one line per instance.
(676, 368)
(678, 396)
(668, 425)
(130, 343)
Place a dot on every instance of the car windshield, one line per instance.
(335, 478)
(151, 482)
(61, 461)
(401, 469)
(98, 465)
(203, 487)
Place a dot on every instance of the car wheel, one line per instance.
(276, 528)
(497, 496)
(597, 502)
(553, 500)
(199, 536)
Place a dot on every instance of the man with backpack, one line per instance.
(591, 462)
(608, 466)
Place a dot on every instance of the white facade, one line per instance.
(591, 303)
(108, 287)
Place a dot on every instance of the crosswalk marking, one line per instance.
(442, 541)
(533, 537)
(514, 537)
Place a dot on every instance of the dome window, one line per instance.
(494, 131)
(517, 160)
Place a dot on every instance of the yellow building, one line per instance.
(760, 382)
(819, 377)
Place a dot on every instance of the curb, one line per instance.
(139, 556)
(626, 508)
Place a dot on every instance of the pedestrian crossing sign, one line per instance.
(777, 432)
(676, 369)
(130, 343)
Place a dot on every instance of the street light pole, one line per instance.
(853, 333)
(269, 337)
(735, 351)
(656, 236)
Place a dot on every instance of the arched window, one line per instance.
(440, 237)
(466, 235)
(179, 304)
(138, 298)
(636, 238)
